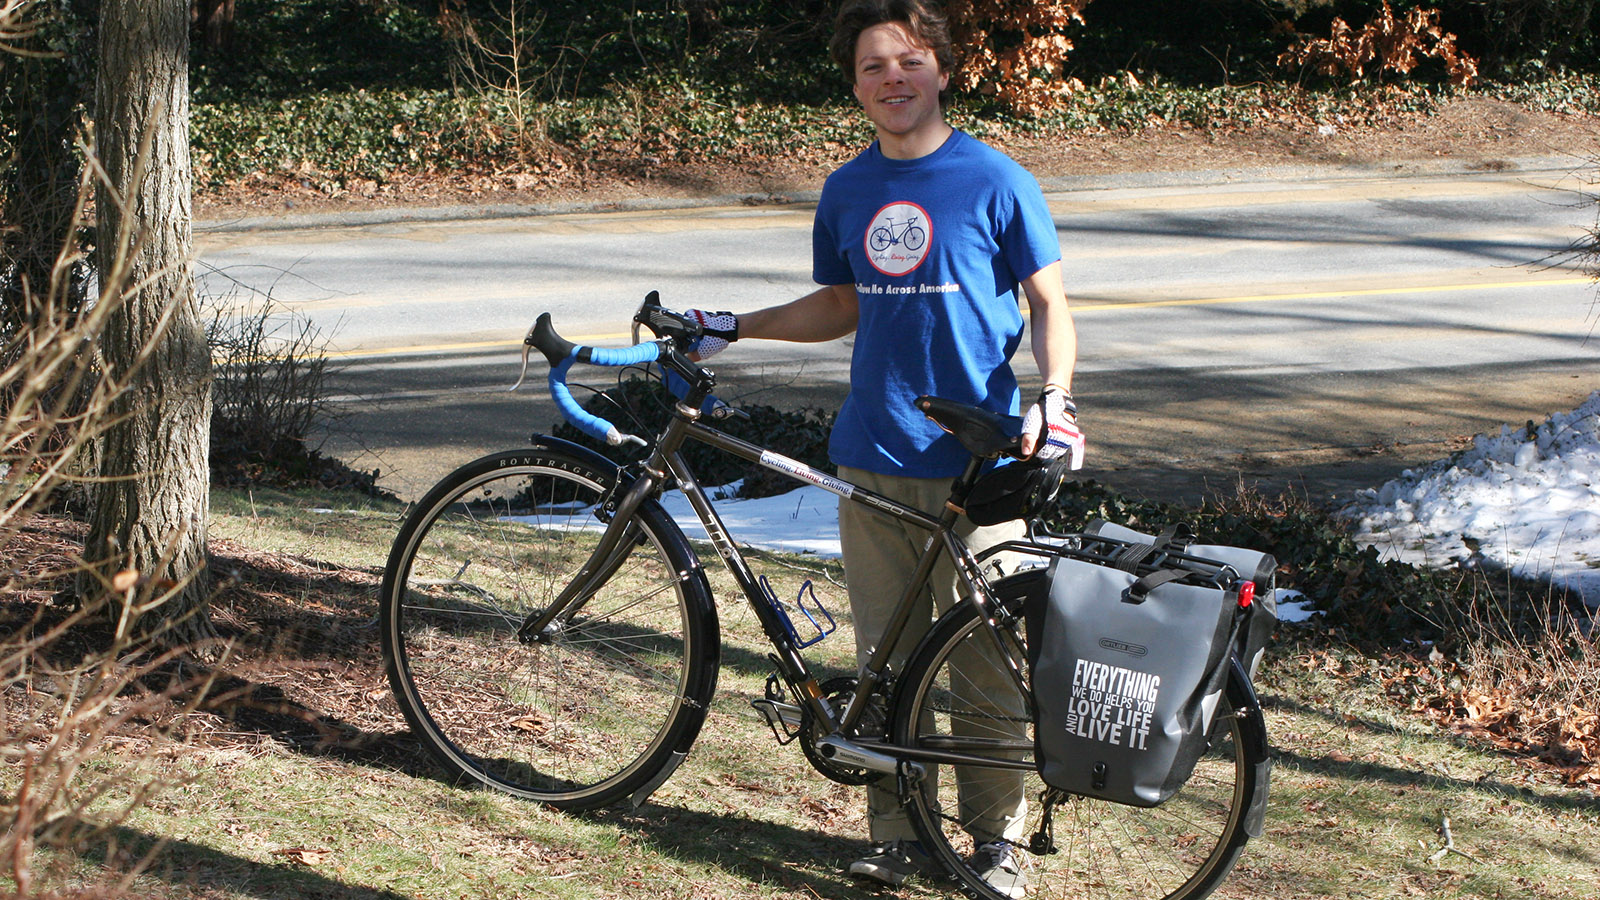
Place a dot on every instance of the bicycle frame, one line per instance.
(666, 460)
(622, 669)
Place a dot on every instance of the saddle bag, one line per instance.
(1129, 640)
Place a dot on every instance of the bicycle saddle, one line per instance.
(982, 432)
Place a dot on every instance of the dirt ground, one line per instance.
(1472, 134)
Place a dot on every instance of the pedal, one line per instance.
(784, 718)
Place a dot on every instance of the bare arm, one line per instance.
(1054, 338)
(822, 315)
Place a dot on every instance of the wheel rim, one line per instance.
(575, 717)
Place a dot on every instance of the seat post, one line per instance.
(960, 489)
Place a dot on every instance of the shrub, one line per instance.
(1015, 51)
(269, 397)
(1384, 44)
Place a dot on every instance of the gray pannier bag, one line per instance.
(1259, 568)
(1129, 643)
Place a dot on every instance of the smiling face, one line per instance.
(898, 82)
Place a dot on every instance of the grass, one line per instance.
(1361, 791)
(304, 784)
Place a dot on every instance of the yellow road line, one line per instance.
(1324, 295)
(1244, 195)
(1131, 305)
(463, 346)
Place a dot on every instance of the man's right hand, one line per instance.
(717, 331)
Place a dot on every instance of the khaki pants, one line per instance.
(880, 556)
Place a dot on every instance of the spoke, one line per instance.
(618, 661)
(495, 613)
(611, 614)
(1137, 842)
(1171, 812)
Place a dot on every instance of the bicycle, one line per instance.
(907, 233)
(549, 631)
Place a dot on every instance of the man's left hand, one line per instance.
(1054, 418)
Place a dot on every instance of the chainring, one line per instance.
(874, 724)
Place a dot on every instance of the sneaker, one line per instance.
(892, 863)
(1000, 864)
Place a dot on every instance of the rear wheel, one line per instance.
(958, 697)
(604, 707)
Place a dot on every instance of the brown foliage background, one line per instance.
(1385, 44)
(1015, 51)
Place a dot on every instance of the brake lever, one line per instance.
(527, 345)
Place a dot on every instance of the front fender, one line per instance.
(547, 442)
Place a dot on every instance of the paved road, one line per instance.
(1326, 329)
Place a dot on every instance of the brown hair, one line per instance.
(925, 21)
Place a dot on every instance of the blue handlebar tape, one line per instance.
(648, 351)
(593, 425)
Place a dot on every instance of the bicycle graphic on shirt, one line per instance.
(907, 234)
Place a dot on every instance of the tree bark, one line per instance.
(150, 507)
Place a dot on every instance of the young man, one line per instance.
(921, 243)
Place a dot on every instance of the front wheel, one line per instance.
(609, 702)
(957, 696)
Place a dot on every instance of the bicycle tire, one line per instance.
(608, 706)
(882, 239)
(1180, 850)
(915, 238)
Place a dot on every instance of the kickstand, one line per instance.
(1043, 842)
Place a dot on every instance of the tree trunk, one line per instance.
(150, 508)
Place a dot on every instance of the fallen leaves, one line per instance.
(1523, 708)
(305, 856)
(1517, 720)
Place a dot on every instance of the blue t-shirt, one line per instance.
(935, 247)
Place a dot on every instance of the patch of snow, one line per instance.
(1525, 502)
(1292, 606)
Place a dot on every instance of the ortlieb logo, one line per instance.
(1124, 647)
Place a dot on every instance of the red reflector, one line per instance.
(1247, 594)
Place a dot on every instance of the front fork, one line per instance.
(616, 543)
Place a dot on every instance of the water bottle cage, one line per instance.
(822, 627)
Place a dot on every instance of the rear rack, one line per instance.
(1138, 559)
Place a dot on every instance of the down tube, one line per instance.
(787, 656)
